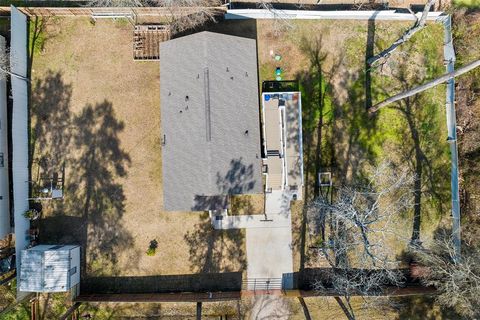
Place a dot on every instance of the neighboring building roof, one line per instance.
(20, 130)
(5, 228)
(210, 120)
(46, 268)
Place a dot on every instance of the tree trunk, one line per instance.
(425, 86)
(419, 25)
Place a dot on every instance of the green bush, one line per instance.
(151, 251)
(31, 214)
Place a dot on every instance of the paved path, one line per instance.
(268, 240)
(277, 215)
(270, 307)
(253, 221)
(269, 250)
(269, 256)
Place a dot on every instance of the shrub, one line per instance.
(31, 214)
(151, 251)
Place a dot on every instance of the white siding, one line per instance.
(19, 60)
(4, 194)
(56, 267)
(30, 278)
(46, 268)
(392, 15)
(75, 262)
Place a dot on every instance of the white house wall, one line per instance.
(4, 194)
(75, 262)
(19, 64)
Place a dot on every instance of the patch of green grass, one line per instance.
(37, 37)
(122, 23)
(471, 4)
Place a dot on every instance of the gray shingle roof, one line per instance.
(210, 120)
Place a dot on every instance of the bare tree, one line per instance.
(356, 229)
(456, 280)
(117, 3)
(189, 14)
(182, 14)
(281, 21)
(419, 25)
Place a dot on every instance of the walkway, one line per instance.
(268, 240)
(269, 249)
(270, 307)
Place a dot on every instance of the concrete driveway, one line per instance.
(269, 252)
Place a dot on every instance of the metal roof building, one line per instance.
(210, 120)
(5, 228)
(50, 268)
(19, 66)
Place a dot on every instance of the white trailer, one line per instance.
(5, 227)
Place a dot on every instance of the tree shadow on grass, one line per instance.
(369, 52)
(313, 88)
(220, 250)
(213, 251)
(423, 308)
(318, 120)
(89, 144)
(51, 119)
(97, 196)
(247, 204)
(356, 135)
(240, 28)
(420, 147)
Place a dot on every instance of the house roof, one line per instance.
(210, 120)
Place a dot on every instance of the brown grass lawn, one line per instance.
(325, 308)
(97, 110)
(247, 204)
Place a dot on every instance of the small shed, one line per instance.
(50, 268)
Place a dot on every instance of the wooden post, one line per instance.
(70, 311)
(34, 308)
